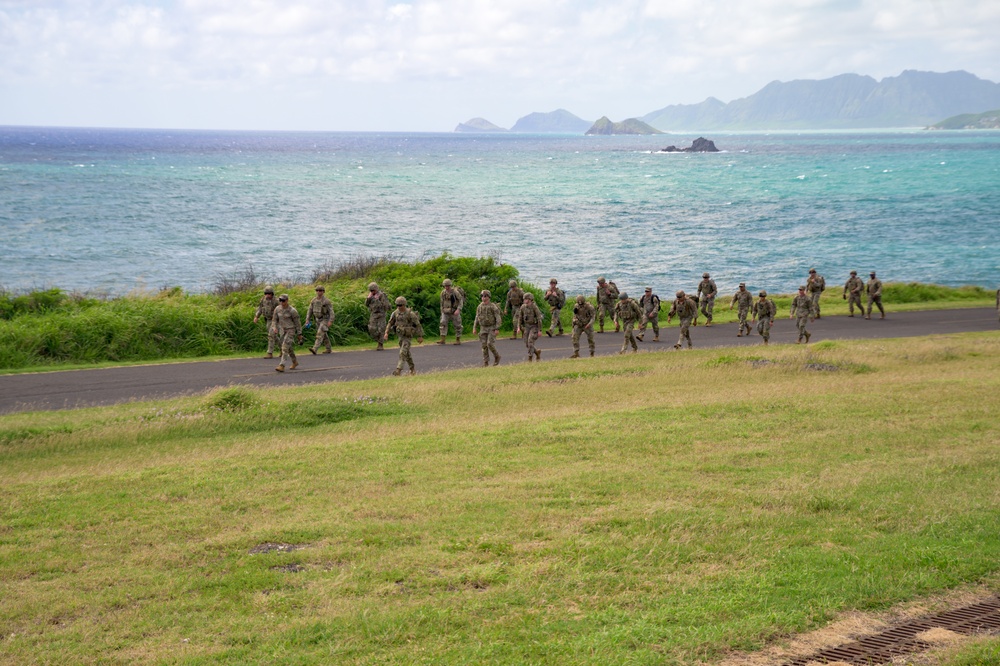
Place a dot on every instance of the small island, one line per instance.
(604, 126)
(699, 145)
(478, 125)
(974, 121)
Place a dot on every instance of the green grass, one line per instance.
(658, 509)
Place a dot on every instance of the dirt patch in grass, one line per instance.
(288, 568)
(270, 547)
(855, 625)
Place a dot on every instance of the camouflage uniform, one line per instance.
(378, 310)
(764, 312)
(627, 313)
(529, 321)
(874, 289)
(815, 286)
(605, 302)
(707, 291)
(515, 297)
(650, 306)
(405, 323)
(321, 311)
(686, 308)
(583, 323)
(451, 311)
(488, 319)
(556, 298)
(287, 326)
(613, 288)
(744, 299)
(265, 309)
(998, 303)
(803, 310)
(852, 293)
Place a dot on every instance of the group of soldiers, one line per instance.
(285, 327)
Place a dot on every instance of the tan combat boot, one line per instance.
(458, 340)
(538, 354)
(496, 360)
(441, 341)
(280, 368)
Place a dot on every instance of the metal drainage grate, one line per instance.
(881, 648)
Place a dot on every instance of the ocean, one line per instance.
(112, 211)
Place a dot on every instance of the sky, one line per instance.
(427, 65)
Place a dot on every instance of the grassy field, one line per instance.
(651, 509)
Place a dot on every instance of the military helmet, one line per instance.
(705, 275)
(283, 297)
(762, 294)
(802, 287)
(269, 290)
(650, 289)
(512, 283)
(872, 273)
(680, 294)
(854, 272)
(812, 270)
(400, 300)
(581, 299)
(372, 286)
(446, 283)
(529, 296)
(320, 288)
(553, 281)
(622, 296)
(600, 280)
(743, 284)
(484, 292)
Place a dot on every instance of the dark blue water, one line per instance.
(117, 210)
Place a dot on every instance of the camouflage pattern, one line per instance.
(853, 289)
(707, 291)
(650, 306)
(529, 322)
(321, 311)
(815, 286)
(378, 310)
(515, 297)
(584, 315)
(488, 319)
(287, 327)
(803, 311)
(405, 323)
(605, 302)
(998, 304)
(764, 311)
(627, 313)
(744, 300)
(265, 309)
(451, 311)
(874, 289)
(687, 310)
(556, 298)
(613, 289)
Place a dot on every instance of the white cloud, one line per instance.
(596, 57)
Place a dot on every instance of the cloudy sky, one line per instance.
(425, 65)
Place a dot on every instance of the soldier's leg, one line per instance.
(590, 340)
(576, 341)
(878, 302)
(403, 353)
(491, 344)
(630, 335)
(655, 321)
(815, 300)
(484, 341)
(868, 314)
(457, 323)
(273, 340)
(443, 325)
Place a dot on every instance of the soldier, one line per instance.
(650, 306)
(583, 322)
(613, 290)
(605, 302)
(452, 301)
(406, 324)
(515, 297)
(378, 309)
(686, 308)
(998, 303)
(627, 312)
(803, 312)
(744, 299)
(707, 291)
(528, 323)
(853, 288)
(488, 318)
(265, 309)
(321, 311)
(815, 286)
(874, 289)
(556, 298)
(764, 311)
(286, 325)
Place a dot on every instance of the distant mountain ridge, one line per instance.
(559, 121)
(912, 99)
(478, 125)
(985, 120)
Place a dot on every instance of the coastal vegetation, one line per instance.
(651, 509)
(51, 327)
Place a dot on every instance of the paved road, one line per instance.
(81, 388)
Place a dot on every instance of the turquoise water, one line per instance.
(116, 210)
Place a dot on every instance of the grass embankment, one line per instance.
(650, 509)
(52, 329)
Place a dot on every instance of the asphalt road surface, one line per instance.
(70, 389)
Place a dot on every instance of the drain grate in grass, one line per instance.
(903, 639)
